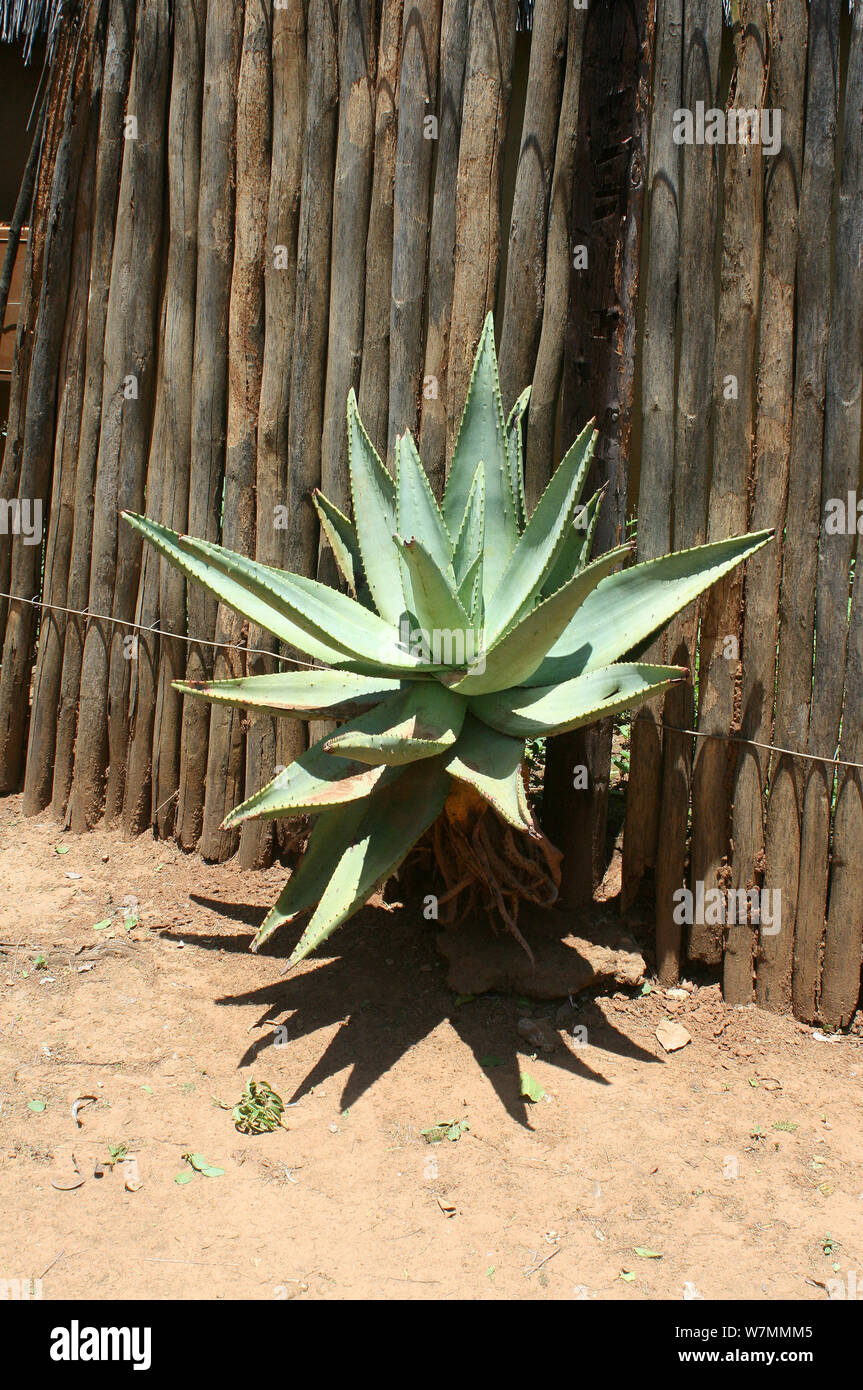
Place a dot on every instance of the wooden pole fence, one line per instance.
(239, 212)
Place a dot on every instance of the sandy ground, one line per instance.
(732, 1167)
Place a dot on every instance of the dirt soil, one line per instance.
(736, 1161)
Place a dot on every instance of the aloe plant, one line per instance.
(470, 627)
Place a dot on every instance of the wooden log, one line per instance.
(800, 549)
(161, 590)
(455, 22)
(271, 743)
(133, 460)
(59, 83)
(702, 36)
(351, 197)
(34, 477)
(209, 381)
(548, 370)
(657, 423)
(225, 786)
(22, 211)
(843, 940)
(599, 373)
(39, 770)
(308, 370)
(185, 128)
(308, 367)
(485, 111)
(109, 154)
(787, 24)
(142, 644)
(733, 394)
(524, 295)
(128, 390)
(414, 152)
(839, 480)
(840, 977)
(373, 397)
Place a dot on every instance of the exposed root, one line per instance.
(485, 863)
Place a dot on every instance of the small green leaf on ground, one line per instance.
(200, 1165)
(148, 1089)
(37, 1106)
(62, 849)
(100, 926)
(644, 1253)
(184, 1177)
(445, 1129)
(463, 999)
(627, 1275)
(491, 1061)
(530, 1088)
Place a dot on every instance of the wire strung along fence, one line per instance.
(242, 211)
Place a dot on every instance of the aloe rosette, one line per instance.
(469, 628)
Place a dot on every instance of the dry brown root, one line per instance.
(484, 863)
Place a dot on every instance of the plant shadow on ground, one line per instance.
(386, 988)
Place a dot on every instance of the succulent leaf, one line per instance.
(374, 500)
(297, 694)
(312, 782)
(424, 720)
(342, 537)
(434, 602)
(330, 832)
(232, 591)
(491, 762)
(468, 590)
(417, 513)
(482, 436)
(469, 542)
(634, 605)
(537, 711)
(406, 803)
(516, 453)
(574, 553)
(542, 538)
(513, 658)
(312, 606)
